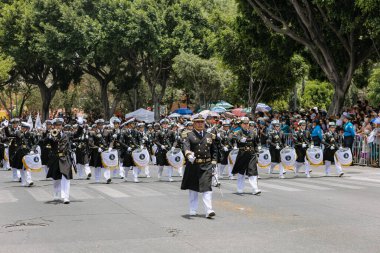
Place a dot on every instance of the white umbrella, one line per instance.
(262, 107)
(174, 115)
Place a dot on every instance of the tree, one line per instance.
(374, 86)
(95, 36)
(259, 58)
(26, 36)
(158, 30)
(300, 70)
(205, 79)
(340, 35)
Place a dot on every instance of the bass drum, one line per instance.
(232, 157)
(288, 157)
(32, 162)
(344, 156)
(110, 159)
(175, 158)
(141, 157)
(264, 159)
(315, 156)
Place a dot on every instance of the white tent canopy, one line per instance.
(141, 115)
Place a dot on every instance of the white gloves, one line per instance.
(243, 140)
(31, 153)
(172, 149)
(5, 123)
(191, 158)
(332, 147)
(208, 130)
(163, 147)
(141, 147)
(129, 149)
(235, 147)
(225, 148)
(277, 147)
(100, 150)
(218, 135)
(259, 148)
(80, 121)
(304, 145)
(109, 149)
(114, 136)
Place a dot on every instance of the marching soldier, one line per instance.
(116, 137)
(201, 154)
(82, 152)
(61, 162)
(98, 143)
(151, 136)
(302, 140)
(225, 136)
(128, 144)
(164, 141)
(332, 142)
(142, 140)
(178, 143)
(10, 133)
(276, 143)
(4, 151)
(246, 160)
(26, 142)
(45, 147)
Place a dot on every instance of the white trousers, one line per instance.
(241, 182)
(338, 166)
(147, 171)
(270, 170)
(220, 170)
(46, 169)
(180, 171)
(206, 198)
(125, 171)
(16, 175)
(136, 172)
(83, 170)
(98, 174)
(161, 169)
(119, 172)
(153, 159)
(299, 165)
(6, 165)
(26, 177)
(61, 188)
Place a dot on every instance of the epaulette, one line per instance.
(213, 136)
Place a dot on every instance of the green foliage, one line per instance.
(374, 86)
(317, 94)
(255, 54)
(205, 79)
(6, 65)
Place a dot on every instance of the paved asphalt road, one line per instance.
(320, 214)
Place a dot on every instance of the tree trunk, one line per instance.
(338, 99)
(104, 99)
(156, 104)
(47, 95)
(303, 87)
(24, 98)
(295, 97)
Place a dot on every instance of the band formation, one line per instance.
(202, 150)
